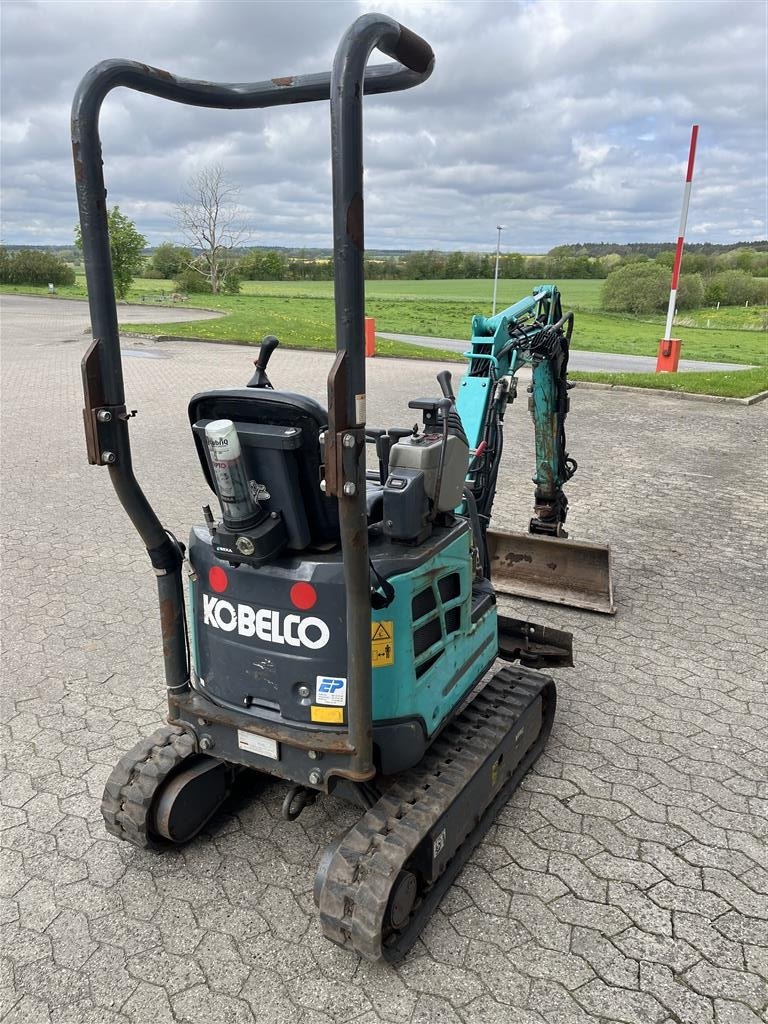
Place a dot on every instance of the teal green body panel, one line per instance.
(462, 650)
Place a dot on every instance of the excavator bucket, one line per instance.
(553, 569)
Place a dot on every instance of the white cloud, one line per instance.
(565, 120)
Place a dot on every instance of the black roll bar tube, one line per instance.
(106, 377)
(345, 439)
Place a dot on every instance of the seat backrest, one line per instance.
(316, 522)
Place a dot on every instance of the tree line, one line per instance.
(215, 259)
(169, 261)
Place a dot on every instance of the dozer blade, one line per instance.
(554, 569)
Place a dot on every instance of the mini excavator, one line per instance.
(342, 631)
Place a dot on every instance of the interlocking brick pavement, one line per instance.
(627, 880)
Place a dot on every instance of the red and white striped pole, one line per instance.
(669, 347)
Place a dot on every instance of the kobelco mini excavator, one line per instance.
(343, 631)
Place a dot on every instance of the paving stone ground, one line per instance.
(627, 880)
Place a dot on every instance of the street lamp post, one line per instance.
(499, 228)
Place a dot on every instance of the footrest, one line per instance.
(533, 645)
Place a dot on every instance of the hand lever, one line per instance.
(260, 378)
(444, 380)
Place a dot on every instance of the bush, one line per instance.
(262, 266)
(34, 266)
(643, 288)
(735, 287)
(169, 260)
(690, 292)
(636, 288)
(148, 274)
(192, 283)
(231, 283)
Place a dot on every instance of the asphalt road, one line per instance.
(595, 362)
(626, 880)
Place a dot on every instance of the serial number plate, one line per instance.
(257, 744)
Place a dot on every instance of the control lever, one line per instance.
(260, 378)
(444, 380)
(384, 439)
(373, 435)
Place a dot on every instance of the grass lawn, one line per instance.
(737, 384)
(301, 314)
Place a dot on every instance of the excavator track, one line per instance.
(377, 888)
(136, 780)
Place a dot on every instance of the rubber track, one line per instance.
(354, 898)
(136, 778)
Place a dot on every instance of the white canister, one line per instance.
(229, 471)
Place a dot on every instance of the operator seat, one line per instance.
(312, 517)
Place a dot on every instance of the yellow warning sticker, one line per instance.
(382, 644)
(334, 716)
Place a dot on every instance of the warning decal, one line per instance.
(382, 644)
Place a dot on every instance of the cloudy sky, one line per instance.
(564, 121)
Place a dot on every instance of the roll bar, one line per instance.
(106, 419)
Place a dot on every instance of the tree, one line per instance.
(513, 266)
(212, 224)
(169, 259)
(126, 246)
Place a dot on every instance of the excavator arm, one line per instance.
(542, 563)
(533, 332)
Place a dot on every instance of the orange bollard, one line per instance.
(669, 355)
(370, 336)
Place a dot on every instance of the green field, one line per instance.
(301, 314)
(478, 293)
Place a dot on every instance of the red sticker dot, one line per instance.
(217, 579)
(303, 595)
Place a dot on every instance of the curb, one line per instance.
(160, 338)
(587, 385)
(690, 396)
